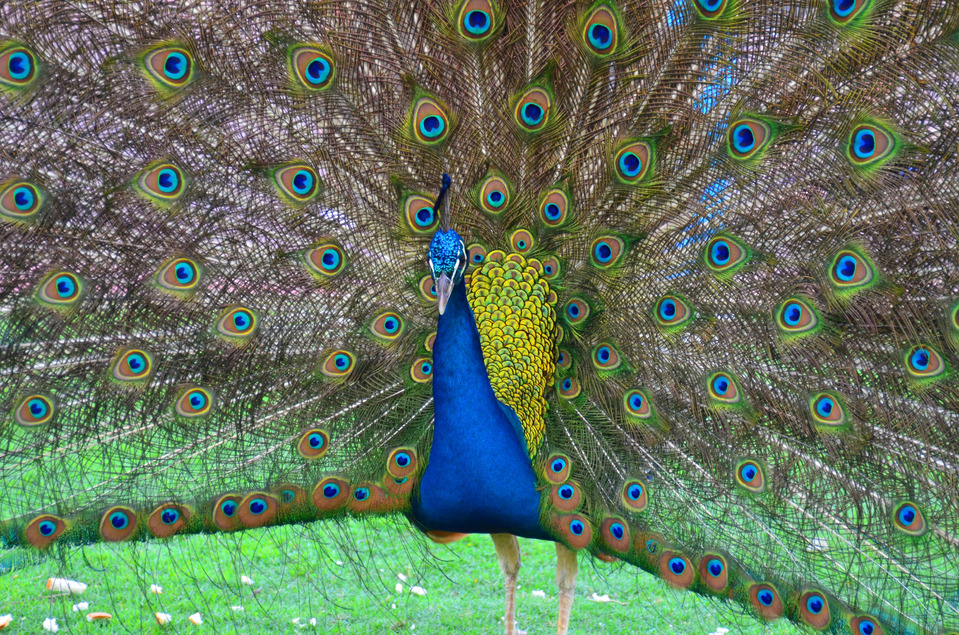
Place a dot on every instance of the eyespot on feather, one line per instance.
(476, 254)
(118, 523)
(313, 444)
(311, 67)
(168, 519)
(225, 512)
(296, 183)
(551, 268)
(494, 195)
(923, 362)
(387, 326)
(162, 184)
(20, 201)
(850, 271)
(257, 509)
(827, 410)
(132, 365)
(35, 409)
(367, 497)
(521, 241)
(636, 404)
(338, 364)
(427, 288)
(600, 31)
(565, 497)
(169, 67)
(710, 9)
(870, 144)
(607, 251)
(765, 599)
(750, 476)
(615, 535)
(796, 317)
(237, 324)
(723, 389)
(576, 311)
(866, 625)
(556, 470)
(330, 494)
(44, 530)
(908, 518)
(673, 312)
(532, 110)
(19, 67)
(714, 572)
(325, 260)
(421, 370)
(476, 20)
(573, 530)
(289, 497)
(179, 277)
(195, 402)
(747, 137)
(631, 163)
(401, 462)
(725, 255)
(430, 125)
(568, 387)
(676, 570)
(420, 216)
(606, 357)
(554, 208)
(814, 609)
(61, 290)
(844, 12)
(635, 497)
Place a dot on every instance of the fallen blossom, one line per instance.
(5, 621)
(247, 580)
(539, 593)
(236, 608)
(417, 590)
(398, 587)
(156, 588)
(196, 619)
(62, 585)
(82, 606)
(312, 621)
(98, 615)
(599, 598)
(50, 624)
(401, 577)
(163, 618)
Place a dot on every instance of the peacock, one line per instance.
(667, 282)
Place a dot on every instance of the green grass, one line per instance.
(312, 572)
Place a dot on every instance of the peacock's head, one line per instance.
(447, 263)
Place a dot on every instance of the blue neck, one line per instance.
(479, 478)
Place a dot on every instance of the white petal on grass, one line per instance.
(247, 580)
(50, 624)
(156, 588)
(5, 621)
(62, 585)
(417, 590)
(538, 593)
(398, 587)
(163, 618)
(196, 619)
(339, 563)
(236, 608)
(312, 621)
(599, 598)
(401, 577)
(82, 606)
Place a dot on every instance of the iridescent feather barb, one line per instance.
(691, 302)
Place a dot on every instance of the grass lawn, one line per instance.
(312, 572)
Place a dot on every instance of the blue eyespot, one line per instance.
(843, 8)
(432, 126)
(603, 354)
(792, 313)
(402, 459)
(566, 492)
(361, 493)
(677, 565)
(748, 472)
(715, 567)
(424, 216)
(603, 252)
(38, 408)
(317, 71)
(175, 66)
(476, 22)
(636, 401)
(577, 527)
(242, 320)
(558, 465)
(228, 508)
(331, 490)
(629, 164)
(119, 520)
(341, 361)
(18, 64)
(257, 506)
(600, 36)
(667, 310)
(864, 143)
(197, 400)
(710, 6)
(719, 252)
(288, 495)
(867, 627)
(907, 515)
(573, 310)
(136, 362)
(302, 182)
(617, 530)
(743, 138)
(47, 528)
(765, 597)
(552, 211)
(168, 180)
(652, 546)
(23, 198)
(532, 113)
(919, 359)
(815, 604)
(315, 440)
(169, 516)
(720, 385)
(634, 492)
(426, 368)
(567, 383)
(846, 268)
(184, 273)
(824, 407)
(495, 198)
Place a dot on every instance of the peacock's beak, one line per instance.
(444, 286)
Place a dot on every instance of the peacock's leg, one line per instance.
(566, 568)
(507, 550)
